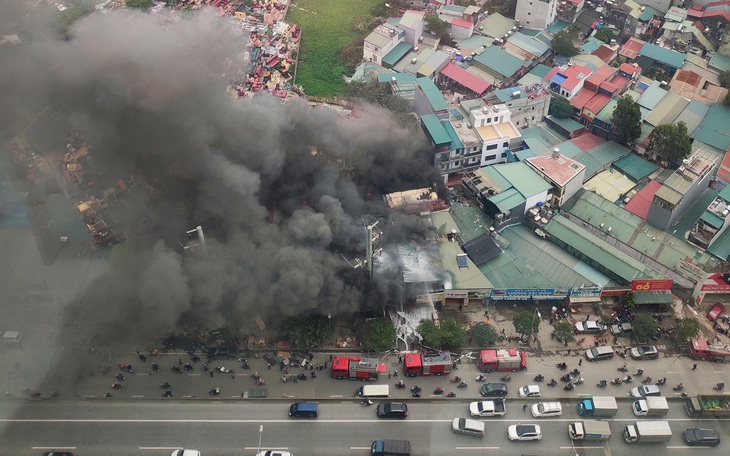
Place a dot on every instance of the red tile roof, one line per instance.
(462, 23)
(629, 68)
(581, 98)
(631, 48)
(605, 53)
(641, 202)
(601, 75)
(615, 85)
(587, 141)
(463, 77)
(597, 103)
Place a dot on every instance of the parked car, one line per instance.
(474, 428)
(645, 390)
(620, 329)
(644, 352)
(270, 360)
(529, 391)
(599, 353)
(524, 432)
(701, 437)
(715, 312)
(589, 327)
(493, 390)
(392, 410)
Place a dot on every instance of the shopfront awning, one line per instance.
(653, 297)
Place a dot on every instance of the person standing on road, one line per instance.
(580, 362)
(395, 373)
(524, 408)
(694, 366)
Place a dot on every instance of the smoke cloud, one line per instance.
(150, 97)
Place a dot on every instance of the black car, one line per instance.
(223, 352)
(269, 358)
(392, 410)
(701, 437)
(493, 390)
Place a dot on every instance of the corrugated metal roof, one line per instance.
(648, 14)
(500, 61)
(398, 52)
(668, 57)
(714, 127)
(437, 61)
(569, 125)
(590, 45)
(435, 129)
(529, 44)
(496, 25)
(667, 109)
(507, 200)
(720, 247)
(465, 78)
(653, 297)
(455, 140)
(607, 112)
(669, 194)
(692, 115)
(400, 78)
(651, 96)
(635, 167)
(433, 94)
(596, 249)
(720, 62)
(641, 202)
(712, 219)
(523, 178)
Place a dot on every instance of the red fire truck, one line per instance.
(502, 360)
(438, 363)
(698, 348)
(355, 367)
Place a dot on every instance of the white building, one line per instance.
(536, 14)
(381, 41)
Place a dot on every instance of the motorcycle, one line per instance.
(415, 389)
(214, 391)
(177, 369)
(166, 385)
(506, 378)
(120, 377)
(261, 381)
(461, 384)
(552, 382)
(602, 384)
(575, 372)
(565, 378)
(538, 378)
(561, 366)
(416, 395)
(638, 372)
(438, 390)
(578, 381)
(622, 368)
(616, 381)
(678, 387)
(480, 378)
(400, 384)
(155, 367)
(568, 387)
(116, 385)
(719, 386)
(455, 379)
(142, 358)
(661, 381)
(451, 394)
(167, 393)
(646, 380)
(628, 379)
(366, 402)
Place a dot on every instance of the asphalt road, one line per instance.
(225, 428)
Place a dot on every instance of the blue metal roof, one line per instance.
(668, 57)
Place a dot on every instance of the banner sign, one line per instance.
(651, 284)
(719, 283)
(586, 292)
(526, 294)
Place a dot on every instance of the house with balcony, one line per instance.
(536, 14)
(564, 174)
(567, 80)
(682, 189)
(713, 221)
(528, 103)
(381, 41)
(568, 10)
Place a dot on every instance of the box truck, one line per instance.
(651, 406)
(589, 430)
(603, 406)
(647, 432)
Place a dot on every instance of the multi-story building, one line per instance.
(381, 41)
(569, 9)
(564, 174)
(536, 14)
(527, 103)
(567, 80)
(712, 222)
(681, 190)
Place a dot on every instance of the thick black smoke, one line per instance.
(150, 96)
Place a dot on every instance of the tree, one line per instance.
(141, 4)
(644, 326)
(564, 331)
(308, 331)
(605, 34)
(726, 101)
(626, 120)
(483, 334)
(453, 335)
(526, 323)
(685, 329)
(380, 335)
(725, 79)
(670, 142)
(430, 336)
(563, 42)
(560, 108)
(435, 25)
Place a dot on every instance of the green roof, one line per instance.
(400, 78)
(455, 140)
(397, 53)
(529, 44)
(496, 24)
(635, 167)
(522, 178)
(492, 173)
(557, 26)
(720, 62)
(725, 193)
(568, 124)
(433, 94)
(435, 130)
(713, 220)
(606, 113)
(720, 247)
(663, 55)
(590, 45)
(507, 200)
(604, 154)
(540, 70)
(569, 149)
(596, 250)
(653, 297)
(500, 61)
(714, 128)
(648, 14)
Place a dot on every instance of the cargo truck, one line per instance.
(391, 448)
(589, 430)
(604, 406)
(710, 406)
(438, 363)
(699, 348)
(651, 406)
(502, 360)
(647, 432)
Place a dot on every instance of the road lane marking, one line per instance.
(718, 372)
(137, 395)
(582, 448)
(477, 448)
(270, 448)
(685, 448)
(53, 448)
(337, 395)
(159, 448)
(360, 448)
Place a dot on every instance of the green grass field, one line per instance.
(327, 26)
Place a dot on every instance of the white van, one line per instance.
(374, 391)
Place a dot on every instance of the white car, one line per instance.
(645, 390)
(274, 453)
(182, 452)
(529, 391)
(547, 409)
(524, 432)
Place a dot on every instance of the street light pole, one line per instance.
(261, 434)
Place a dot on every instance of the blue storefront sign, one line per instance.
(526, 294)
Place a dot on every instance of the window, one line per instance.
(490, 157)
(505, 144)
(518, 122)
(504, 154)
(491, 146)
